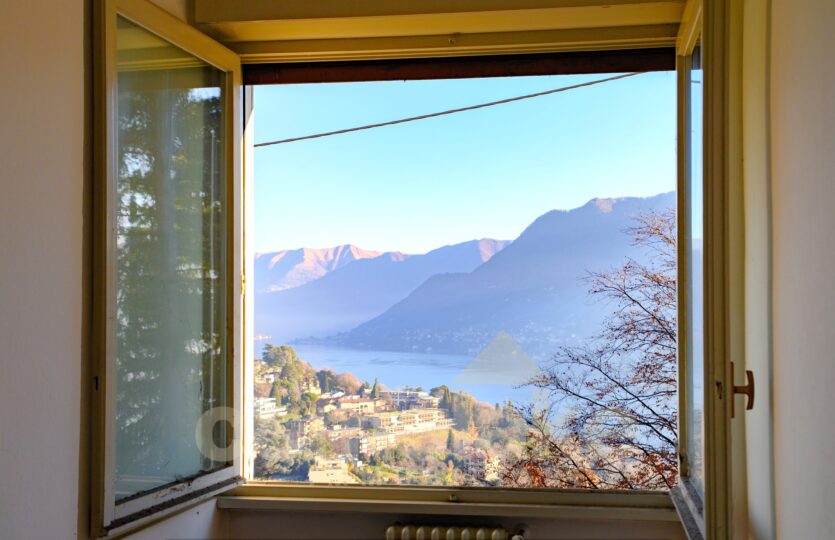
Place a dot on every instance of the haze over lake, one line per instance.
(401, 369)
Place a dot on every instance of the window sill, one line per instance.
(553, 504)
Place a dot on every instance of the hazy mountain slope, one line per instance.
(286, 269)
(533, 289)
(359, 291)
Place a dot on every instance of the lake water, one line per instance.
(426, 370)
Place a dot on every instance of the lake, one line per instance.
(426, 370)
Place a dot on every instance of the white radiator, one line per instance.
(435, 532)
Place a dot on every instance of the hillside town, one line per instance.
(320, 427)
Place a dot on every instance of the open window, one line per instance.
(449, 301)
(175, 414)
(168, 256)
(703, 104)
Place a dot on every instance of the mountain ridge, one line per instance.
(360, 290)
(288, 268)
(533, 289)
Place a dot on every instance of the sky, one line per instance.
(486, 173)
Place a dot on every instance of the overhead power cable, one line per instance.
(450, 111)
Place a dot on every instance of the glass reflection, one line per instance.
(170, 206)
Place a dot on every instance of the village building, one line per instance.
(411, 399)
(362, 405)
(331, 471)
(266, 407)
(371, 443)
(480, 464)
(302, 429)
(409, 421)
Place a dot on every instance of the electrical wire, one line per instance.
(450, 111)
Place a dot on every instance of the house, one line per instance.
(481, 464)
(770, 128)
(267, 408)
(301, 430)
(331, 471)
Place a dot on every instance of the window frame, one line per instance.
(486, 501)
(107, 517)
(707, 23)
(469, 501)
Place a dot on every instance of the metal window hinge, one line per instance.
(747, 390)
(243, 284)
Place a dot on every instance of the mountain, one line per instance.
(286, 269)
(533, 290)
(360, 290)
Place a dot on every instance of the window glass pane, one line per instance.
(481, 299)
(695, 281)
(170, 263)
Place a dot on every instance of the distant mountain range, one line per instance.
(286, 269)
(457, 299)
(350, 292)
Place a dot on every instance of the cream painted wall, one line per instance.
(757, 202)
(803, 188)
(41, 258)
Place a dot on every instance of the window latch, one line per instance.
(747, 390)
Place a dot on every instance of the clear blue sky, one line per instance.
(484, 173)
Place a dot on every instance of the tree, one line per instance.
(271, 445)
(450, 441)
(375, 390)
(616, 427)
(327, 380)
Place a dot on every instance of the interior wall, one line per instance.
(803, 198)
(757, 203)
(42, 186)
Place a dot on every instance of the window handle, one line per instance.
(747, 390)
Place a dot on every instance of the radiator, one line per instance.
(438, 532)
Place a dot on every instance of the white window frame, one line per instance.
(707, 23)
(109, 518)
(449, 501)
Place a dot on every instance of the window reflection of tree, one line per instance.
(170, 271)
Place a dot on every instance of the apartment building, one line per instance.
(409, 399)
(360, 405)
(371, 443)
(408, 421)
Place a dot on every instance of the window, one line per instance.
(448, 302)
(173, 370)
(166, 366)
(704, 307)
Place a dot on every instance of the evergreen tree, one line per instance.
(375, 390)
(450, 441)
